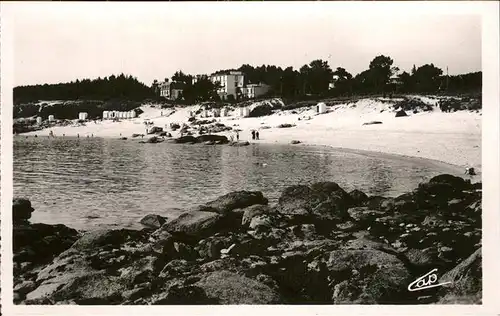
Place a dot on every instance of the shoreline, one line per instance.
(452, 138)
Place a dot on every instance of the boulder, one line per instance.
(358, 197)
(230, 288)
(322, 201)
(252, 211)
(466, 282)
(194, 225)
(221, 139)
(154, 140)
(186, 139)
(40, 243)
(235, 200)
(373, 277)
(106, 237)
(294, 142)
(401, 113)
(21, 210)
(456, 182)
(153, 221)
(239, 143)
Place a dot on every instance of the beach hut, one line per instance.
(244, 111)
(105, 115)
(216, 112)
(206, 113)
(39, 120)
(225, 112)
(51, 118)
(83, 116)
(133, 114)
(321, 108)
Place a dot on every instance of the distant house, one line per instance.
(230, 83)
(255, 90)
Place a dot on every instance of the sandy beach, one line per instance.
(454, 138)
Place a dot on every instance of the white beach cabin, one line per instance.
(83, 116)
(225, 112)
(216, 112)
(244, 112)
(39, 120)
(105, 115)
(321, 108)
(51, 118)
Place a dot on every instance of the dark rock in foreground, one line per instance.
(318, 245)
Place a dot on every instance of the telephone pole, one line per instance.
(447, 79)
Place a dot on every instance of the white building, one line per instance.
(244, 112)
(105, 115)
(230, 82)
(321, 108)
(255, 90)
(39, 120)
(51, 118)
(83, 116)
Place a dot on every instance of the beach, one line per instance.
(454, 138)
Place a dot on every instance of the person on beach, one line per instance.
(77, 135)
(237, 136)
(231, 137)
(253, 134)
(257, 135)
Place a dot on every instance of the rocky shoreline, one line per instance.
(318, 245)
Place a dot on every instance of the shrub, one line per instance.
(450, 105)
(413, 105)
(285, 125)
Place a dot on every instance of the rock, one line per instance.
(40, 243)
(324, 200)
(105, 237)
(235, 200)
(294, 142)
(384, 279)
(364, 216)
(141, 270)
(261, 110)
(456, 182)
(24, 288)
(221, 139)
(154, 140)
(122, 138)
(153, 221)
(466, 282)
(230, 288)
(194, 225)
(92, 288)
(21, 210)
(252, 211)
(186, 139)
(209, 142)
(401, 113)
(239, 143)
(180, 294)
(261, 222)
(358, 197)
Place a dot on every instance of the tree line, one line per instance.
(121, 87)
(316, 79)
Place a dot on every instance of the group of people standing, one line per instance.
(255, 135)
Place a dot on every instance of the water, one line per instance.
(88, 183)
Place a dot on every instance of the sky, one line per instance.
(61, 42)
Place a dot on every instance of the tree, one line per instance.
(381, 71)
(343, 82)
(427, 78)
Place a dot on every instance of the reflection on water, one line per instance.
(85, 183)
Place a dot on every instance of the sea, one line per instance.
(89, 183)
